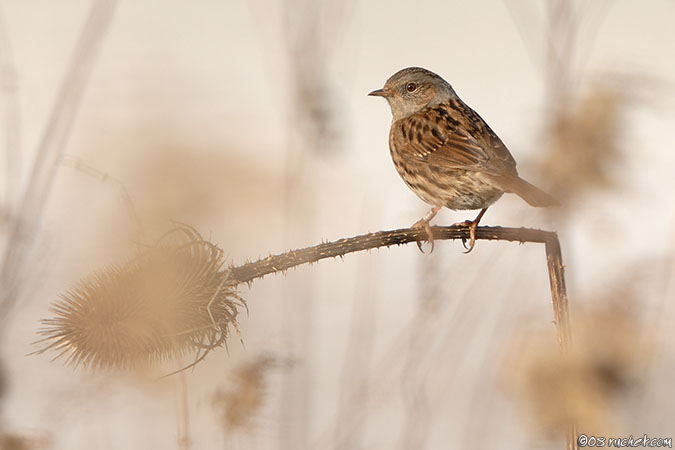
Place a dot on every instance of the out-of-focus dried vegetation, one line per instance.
(10, 440)
(311, 29)
(28, 214)
(14, 442)
(240, 402)
(315, 127)
(175, 297)
(594, 384)
(3, 381)
(584, 144)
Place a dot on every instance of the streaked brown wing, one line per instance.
(497, 147)
(455, 141)
(462, 151)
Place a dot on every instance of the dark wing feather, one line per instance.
(451, 135)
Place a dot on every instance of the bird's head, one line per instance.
(412, 89)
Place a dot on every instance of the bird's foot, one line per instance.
(424, 224)
(471, 225)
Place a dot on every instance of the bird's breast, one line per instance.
(435, 185)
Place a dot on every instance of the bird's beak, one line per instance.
(378, 93)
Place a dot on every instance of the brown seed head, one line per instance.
(173, 298)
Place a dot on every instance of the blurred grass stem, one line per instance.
(52, 143)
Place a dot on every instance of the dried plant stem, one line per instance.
(246, 273)
(183, 411)
(11, 120)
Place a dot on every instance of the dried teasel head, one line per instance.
(174, 298)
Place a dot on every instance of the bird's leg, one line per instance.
(472, 224)
(424, 223)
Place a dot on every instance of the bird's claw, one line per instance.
(472, 236)
(471, 225)
(424, 224)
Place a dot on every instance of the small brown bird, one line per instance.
(446, 153)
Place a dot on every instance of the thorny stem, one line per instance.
(246, 273)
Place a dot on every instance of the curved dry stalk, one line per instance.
(246, 273)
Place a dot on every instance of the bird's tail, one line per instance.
(527, 191)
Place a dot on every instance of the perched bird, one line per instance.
(446, 153)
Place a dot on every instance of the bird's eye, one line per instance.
(411, 87)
